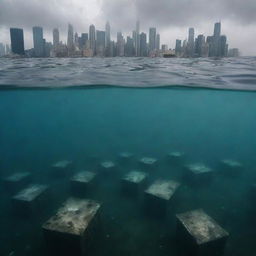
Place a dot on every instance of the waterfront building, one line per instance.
(92, 38)
(39, 42)
(129, 47)
(2, 49)
(143, 45)
(56, 38)
(191, 42)
(137, 39)
(70, 41)
(152, 39)
(100, 43)
(158, 42)
(107, 39)
(17, 41)
(178, 48)
(120, 45)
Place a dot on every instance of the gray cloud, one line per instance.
(172, 15)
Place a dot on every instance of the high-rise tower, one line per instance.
(107, 39)
(152, 39)
(17, 41)
(39, 43)
(92, 38)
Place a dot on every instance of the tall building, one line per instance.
(39, 43)
(199, 46)
(143, 45)
(152, 39)
(70, 41)
(164, 47)
(217, 29)
(56, 38)
(82, 41)
(2, 49)
(191, 42)
(178, 48)
(129, 47)
(100, 43)
(17, 41)
(234, 52)
(158, 42)
(216, 40)
(92, 38)
(7, 49)
(223, 46)
(107, 39)
(120, 45)
(137, 39)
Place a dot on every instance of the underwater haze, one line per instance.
(84, 109)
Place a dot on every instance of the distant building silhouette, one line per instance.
(17, 41)
(39, 42)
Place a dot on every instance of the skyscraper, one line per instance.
(82, 41)
(56, 38)
(129, 47)
(223, 46)
(178, 49)
(199, 45)
(143, 45)
(152, 39)
(137, 39)
(158, 41)
(191, 42)
(217, 29)
(2, 49)
(100, 43)
(120, 45)
(39, 43)
(17, 41)
(92, 38)
(107, 39)
(70, 38)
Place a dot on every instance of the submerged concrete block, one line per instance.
(108, 168)
(30, 200)
(133, 182)
(72, 229)
(199, 235)
(176, 158)
(16, 181)
(62, 168)
(158, 195)
(198, 174)
(81, 182)
(230, 167)
(148, 163)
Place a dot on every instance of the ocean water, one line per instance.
(72, 109)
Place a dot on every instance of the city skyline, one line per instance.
(172, 18)
(99, 43)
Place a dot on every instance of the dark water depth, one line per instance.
(40, 127)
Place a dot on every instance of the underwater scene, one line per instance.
(115, 170)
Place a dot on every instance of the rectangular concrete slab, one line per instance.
(30, 200)
(17, 181)
(72, 226)
(163, 189)
(200, 234)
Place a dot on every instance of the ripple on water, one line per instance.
(229, 73)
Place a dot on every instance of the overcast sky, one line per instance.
(171, 18)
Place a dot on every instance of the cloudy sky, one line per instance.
(171, 17)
